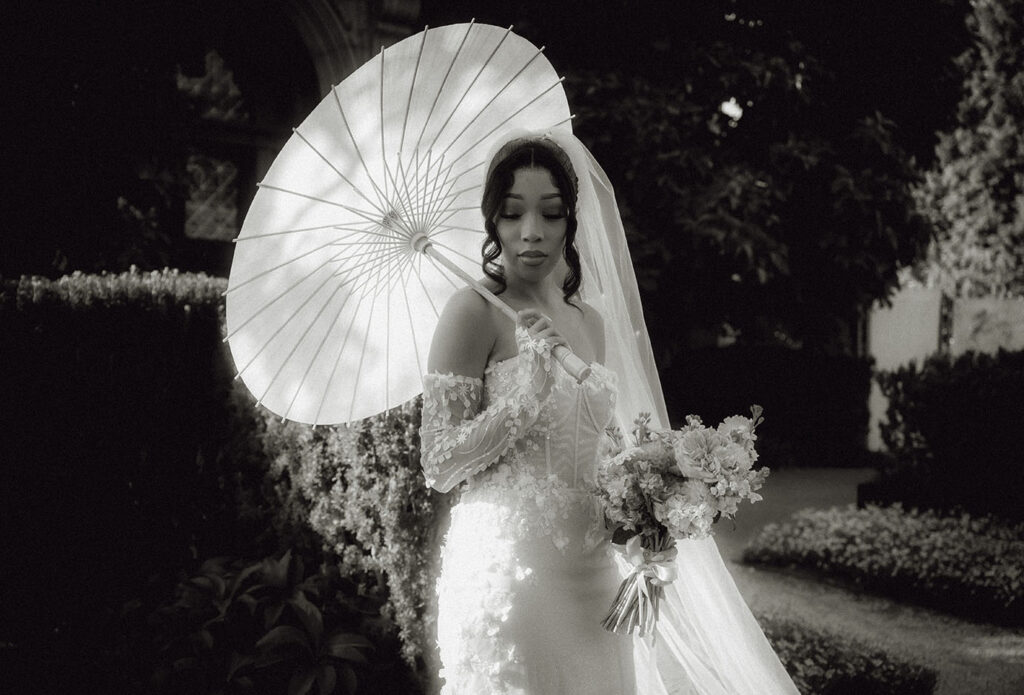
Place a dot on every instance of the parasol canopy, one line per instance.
(347, 254)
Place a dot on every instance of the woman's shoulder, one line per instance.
(592, 318)
(464, 335)
(593, 322)
(467, 303)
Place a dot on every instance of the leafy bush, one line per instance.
(816, 404)
(129, 455)
(973, 567)
(362, 490)
(821, 663)
(281, 624)
(953, 430)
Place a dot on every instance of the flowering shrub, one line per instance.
(165, 288)
(362, 490)
(971, 566)
(820, 662)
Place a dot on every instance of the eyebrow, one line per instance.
(549, 196)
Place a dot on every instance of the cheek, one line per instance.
(506, 235)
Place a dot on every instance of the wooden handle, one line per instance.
(576, 367)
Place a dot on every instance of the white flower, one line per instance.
(739, 429)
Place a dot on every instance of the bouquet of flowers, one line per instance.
(667, 485)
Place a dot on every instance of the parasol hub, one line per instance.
(419, 242)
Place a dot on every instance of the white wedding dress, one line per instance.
(526, 572)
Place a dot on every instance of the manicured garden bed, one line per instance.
(967, 566)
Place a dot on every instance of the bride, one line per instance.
(527, 570)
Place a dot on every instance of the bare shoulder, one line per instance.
(464, 335)
(593, 322)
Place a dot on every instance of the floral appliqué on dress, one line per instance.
(523, 444)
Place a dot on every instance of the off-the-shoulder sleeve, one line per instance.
(458, 439)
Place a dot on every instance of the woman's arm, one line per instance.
(458, 437)
(464, 337)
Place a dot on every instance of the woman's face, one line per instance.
(531, 225)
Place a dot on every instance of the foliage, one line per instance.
(952, 427)
(970, 566)
(816, 404)
(148, 290)
(281, 624)
(822, 663)
(974, 195)
(129, 453)
(361, 489)
(744, 204)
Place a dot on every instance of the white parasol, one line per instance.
(348, 252)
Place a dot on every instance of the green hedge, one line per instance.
(129, 455)
(973, 567)
(822, 663)
(815, 403)
(953, 429)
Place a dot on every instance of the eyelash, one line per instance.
(559, 216)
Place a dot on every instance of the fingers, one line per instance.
(540, 326)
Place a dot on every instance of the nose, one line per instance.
(531, 230)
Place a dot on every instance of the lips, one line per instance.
(533, 254)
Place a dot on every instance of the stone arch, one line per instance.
(341, 35)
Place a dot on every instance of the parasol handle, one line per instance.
(571, 362)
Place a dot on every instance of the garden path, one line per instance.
(969, 657)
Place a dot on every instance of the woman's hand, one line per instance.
(540, 327)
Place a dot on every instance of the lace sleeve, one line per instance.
(458, 438)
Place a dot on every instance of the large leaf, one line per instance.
(326, 678)
(283, 637)
(346, 645)
(302, 680)
(309, 614)
(237, 662)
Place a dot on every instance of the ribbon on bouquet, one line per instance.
(636, 605)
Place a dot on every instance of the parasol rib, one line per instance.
(497, 94)
(383, 149)
(279, 296)
(359, 151)
(445, 228)
(344, 178)
(280, 328)
(337, 360)
(302, 337)
(355, 211)
(266, 235)
(444, 80)
(266, 272)
(440, 204)
(362, 353)
(377, 252)
(500, 125)
(412, 86)
(457, 253)
(312, 361)
(426, 293)
(468, 88)
(443, 274)
(412, 327)
(452, 180)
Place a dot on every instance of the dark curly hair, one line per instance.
(530, 153)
